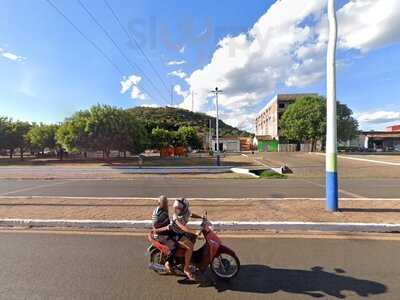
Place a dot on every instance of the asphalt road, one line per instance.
(85, 266)
(219, 188)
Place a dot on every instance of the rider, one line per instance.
(161, 227)
(185, 236)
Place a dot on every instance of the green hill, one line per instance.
(172, 118)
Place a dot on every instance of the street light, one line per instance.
(331, 185)
(216, 92)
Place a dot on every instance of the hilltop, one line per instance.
(171, 118)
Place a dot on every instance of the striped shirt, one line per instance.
(160, 217)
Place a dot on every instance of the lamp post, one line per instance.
(332, 201)
(216, 92)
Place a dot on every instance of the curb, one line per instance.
(218, 225)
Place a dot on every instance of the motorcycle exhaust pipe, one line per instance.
(157, 267)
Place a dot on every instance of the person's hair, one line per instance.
(162, 199)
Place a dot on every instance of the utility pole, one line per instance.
(172, 96)
(210, 133)
(332, 200)
(216, 92)
(193, 93)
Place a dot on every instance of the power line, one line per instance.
(132, 64)
(133, 39)
(85, 37)
(97, 47)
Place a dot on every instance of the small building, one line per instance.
(393, 128)
(381, 141)
(265, 143)
(226, 144)
(246, 143)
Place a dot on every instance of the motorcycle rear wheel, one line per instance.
(225, 266)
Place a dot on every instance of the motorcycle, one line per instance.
(223, 261)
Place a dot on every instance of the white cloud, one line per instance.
(178, 73)
(182, 49)
(379, 117)
(176, 62)
(369, 24)
(179, 91)
(131, 83)
(287, 47)
(11, 56)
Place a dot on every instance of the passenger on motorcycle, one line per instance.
(185, 236)
(161, 227)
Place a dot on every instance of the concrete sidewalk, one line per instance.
(238, 210)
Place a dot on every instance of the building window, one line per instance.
(281, 105)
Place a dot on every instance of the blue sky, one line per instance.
(48, 70)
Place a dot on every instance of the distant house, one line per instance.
(226, 144)
(388, 140)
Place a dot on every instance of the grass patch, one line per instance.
(271, 175)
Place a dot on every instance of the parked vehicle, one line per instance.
(222, 261)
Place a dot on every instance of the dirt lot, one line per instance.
(148, 161)
(370, 211)
(313, 165)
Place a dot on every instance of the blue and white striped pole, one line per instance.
(332, 201)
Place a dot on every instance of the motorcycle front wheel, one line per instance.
(225, 266)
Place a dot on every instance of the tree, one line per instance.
(42, 136)
(13, 135)
(188, 137)
(305, 120)
(161, 138)
(347, 124)
(103, 128)
(131, 135)
(19, 137)
(73, 135)
(4, 123)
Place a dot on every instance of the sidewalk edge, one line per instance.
(218, 225)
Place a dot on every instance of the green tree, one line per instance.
(13, 135)
(73, 134)
(188, 137)
(4, 128)
(346, 123)
(42, 136)
(161, 138)
(102, 128)
(18, 136)
(304, 120)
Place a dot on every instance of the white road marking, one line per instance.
(364, 159)
(340, 190)
(33, 188)
(5, 197)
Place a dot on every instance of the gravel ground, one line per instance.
(369, 211)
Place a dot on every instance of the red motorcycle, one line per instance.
(223, 261)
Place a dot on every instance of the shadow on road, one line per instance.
(315, 282)
(371, 210)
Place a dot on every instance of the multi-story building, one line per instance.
(267, 120)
